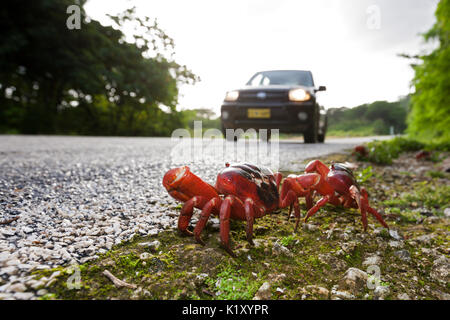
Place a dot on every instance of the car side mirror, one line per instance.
(321, 88)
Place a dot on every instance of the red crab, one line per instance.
(423, 155)
(360, 151)
(249, 192)
(336, 184)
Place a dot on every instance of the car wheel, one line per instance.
(310, 136)
(321, 136)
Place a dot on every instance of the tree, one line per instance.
(373, 118)
(430, 113)
(89, 81)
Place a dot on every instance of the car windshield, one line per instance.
(270, 78)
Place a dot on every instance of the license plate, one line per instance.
(258, 113)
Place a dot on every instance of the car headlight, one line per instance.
(232, 96)
(299, 95)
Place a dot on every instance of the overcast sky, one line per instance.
(351, 46)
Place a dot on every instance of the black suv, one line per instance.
(279, 99)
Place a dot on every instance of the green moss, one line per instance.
(429, 194)
(288, 241)
(232, 284)
(355, 258)
(48, 296)
(436, 174)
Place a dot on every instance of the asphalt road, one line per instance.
(63, 151)
(75, 197)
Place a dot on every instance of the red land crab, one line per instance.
(360, 151)
(249, 192)
(423, 155)
(336, 184)
(242, 192)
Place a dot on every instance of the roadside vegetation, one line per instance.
(384, 152)
(89, 81)
(369, 119)
(430, 104)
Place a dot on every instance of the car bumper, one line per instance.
(283, 116)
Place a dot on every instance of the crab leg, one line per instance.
(296, 214)
(186, 214)
(288, 199)
(377, 216)
(243, 211)
(365, 200)
(250, 217)
(291, 200)
(210, 206)
(323, 201)
(225, 211)
(290, 212)
(309, 199)
(362, 205)
(278, 177)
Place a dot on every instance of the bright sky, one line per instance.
(351, 46)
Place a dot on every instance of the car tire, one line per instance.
(321, 136)
(311, 135)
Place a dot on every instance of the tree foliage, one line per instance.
(91, 80)
(368, 119)
(430, 114)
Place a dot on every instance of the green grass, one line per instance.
(431, 195)
(384, 152)
(231, 284)
(364, 175)
(436, 174)
(362, 132)
(287, 241)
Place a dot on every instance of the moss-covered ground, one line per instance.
(412, 195)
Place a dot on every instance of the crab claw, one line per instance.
(317, 166)
(308, 180)
(183, 185)
(174, 177)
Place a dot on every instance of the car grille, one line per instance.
(276, 113)
(270, 95)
